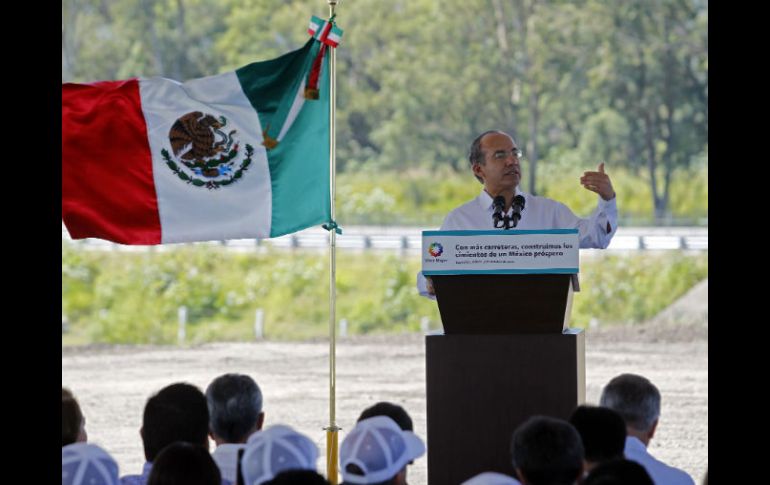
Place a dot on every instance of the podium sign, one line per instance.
(552, 251)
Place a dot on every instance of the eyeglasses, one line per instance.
(503, 154)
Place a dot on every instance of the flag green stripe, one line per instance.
(299, 165)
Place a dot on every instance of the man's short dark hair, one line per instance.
(635, 398)
(178, 412)
(235, 403)
(393, 411)
(71, 417)
(619, 472)
(183, 463)
(547, 451)
(298, 477)
(602, 431)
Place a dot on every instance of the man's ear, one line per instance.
(520, 476)
(651, 432)
(260, 420)
(478, 170)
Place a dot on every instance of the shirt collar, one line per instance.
(486, 200)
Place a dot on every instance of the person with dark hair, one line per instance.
(235, 412)
(377, 452)
(73, 423)
(618, 472)
(602, 432)
(637, 401)
(391, 410)
(495, 160)
(298, 477)
(183, 463)
(547, 451)
(178, 412)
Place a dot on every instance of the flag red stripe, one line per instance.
(108, 189)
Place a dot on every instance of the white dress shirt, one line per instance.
(226, 458)
(538, 213)
(661, 473)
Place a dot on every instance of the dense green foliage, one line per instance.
(576, 82)
(133, 297)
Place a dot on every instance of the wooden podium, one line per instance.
(507, 354)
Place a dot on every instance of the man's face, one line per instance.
(500, 170)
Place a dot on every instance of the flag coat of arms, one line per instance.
(243, 154)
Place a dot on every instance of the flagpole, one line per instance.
(331, 431)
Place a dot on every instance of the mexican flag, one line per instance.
(243, 154)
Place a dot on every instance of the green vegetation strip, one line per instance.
(117, 297)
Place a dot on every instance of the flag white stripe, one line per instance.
(187, 212)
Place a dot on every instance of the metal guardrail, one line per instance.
(409, 240)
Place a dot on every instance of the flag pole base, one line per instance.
(332, 455)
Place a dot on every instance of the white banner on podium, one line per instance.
(500, 252)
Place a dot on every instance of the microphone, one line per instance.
(497, 217)
(517, 206)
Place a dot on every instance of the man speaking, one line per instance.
(495, 161)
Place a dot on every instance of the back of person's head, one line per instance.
(235, 407)
(184, 463)
(276, 449)
(298, 477)
(391, 410)
(73, 423)
(602, 432)
(86, 464)
(377, 450)
(178, 412)
(547, 451)
(635, 398)
(618, 472)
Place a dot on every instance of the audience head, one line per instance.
(602, 432)
(391, 410)
(86, 464)
(547, 451)
(178, 412)
(298, 477)
(618, 472)
(184, 463)
(235, 408)
(637, 401)
(73, 423)
(377, 451)
(276, 449)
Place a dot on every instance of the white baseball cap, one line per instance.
(491, 478)
(87, 464)
(379, 448)
(274, 450)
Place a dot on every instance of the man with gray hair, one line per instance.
(235, 413)
(496, 161)
(637, 401)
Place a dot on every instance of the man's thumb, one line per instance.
(601, 167)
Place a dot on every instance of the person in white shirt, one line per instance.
(495, 161)
(235, 413)
(637, 401)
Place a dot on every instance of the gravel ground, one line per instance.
(112, 383)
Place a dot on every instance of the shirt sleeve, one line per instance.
(592, 231)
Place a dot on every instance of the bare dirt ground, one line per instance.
(112, 383)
